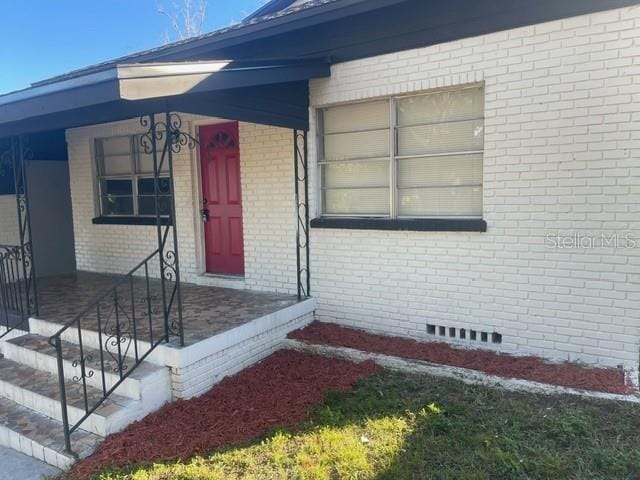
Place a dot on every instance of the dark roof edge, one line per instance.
(270, 7)
(278, 20)
(123, 72)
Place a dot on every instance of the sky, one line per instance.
(42, 38)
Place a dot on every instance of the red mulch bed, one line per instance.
(609, 380)
(279, 391)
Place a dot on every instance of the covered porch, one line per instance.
(96, 328)
(271, 93)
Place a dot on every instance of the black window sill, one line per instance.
(413, 225)
(129, 221)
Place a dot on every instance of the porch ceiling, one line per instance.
(273, 93)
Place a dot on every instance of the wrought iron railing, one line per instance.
(127, 323)
(163, 139)
(14, 308)
(18, 293)
(143, 308)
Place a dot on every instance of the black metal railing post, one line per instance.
(174, 124)
(301, 182)
(63, 395)
(26, 238)
(5, 294)
(149, 143)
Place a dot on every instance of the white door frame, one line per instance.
(227, 281)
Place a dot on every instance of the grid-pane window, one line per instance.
(126, 181)
(414, 156)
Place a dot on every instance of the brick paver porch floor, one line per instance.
(207, 311)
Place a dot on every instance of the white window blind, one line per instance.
(439, 144)
(425, 160)
(116, 155)
(355, 161)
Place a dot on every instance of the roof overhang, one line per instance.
(148, 83)
(254, 29)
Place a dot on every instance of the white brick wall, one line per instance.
(8, 220)
(561, 153)
(268, 206)
(199, 377)
(117, 248)
(266, 156)
(562, 146)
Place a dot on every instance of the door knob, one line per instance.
(204, 213)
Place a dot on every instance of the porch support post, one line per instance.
(301, 186)
(149, 143)
(21, 155)
(164, 139)
(173, 124)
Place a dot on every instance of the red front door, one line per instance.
(222, 198)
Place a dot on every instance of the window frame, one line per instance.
(133, 176)
(394, 158)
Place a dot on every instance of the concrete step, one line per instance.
(39, 391)
(35, 351)
(40, 437)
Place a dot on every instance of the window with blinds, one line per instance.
(355, 159)
(125, 179)
(414, 156)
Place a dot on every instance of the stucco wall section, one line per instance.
(8, 220)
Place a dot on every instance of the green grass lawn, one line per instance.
(397, 426)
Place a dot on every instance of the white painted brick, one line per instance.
(199, 377)
(560, 116)
(266, 155)
(561, 148)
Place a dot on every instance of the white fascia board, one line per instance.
(150, 70)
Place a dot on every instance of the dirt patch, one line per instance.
(609, 380)
(276, 392)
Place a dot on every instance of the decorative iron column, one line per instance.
(17, 157)
(301, 185)
(164, 138)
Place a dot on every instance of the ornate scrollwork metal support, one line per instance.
(119, 336)
(163, 139)
(84, 371)
(17, 158)
(301, 172)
